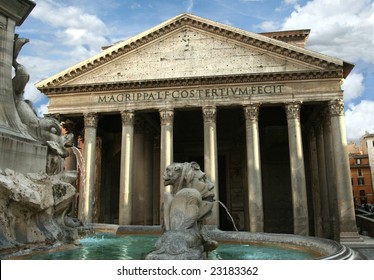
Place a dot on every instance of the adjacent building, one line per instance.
(361, 160)
(262, 115)
(361, 179)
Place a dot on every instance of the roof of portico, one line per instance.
(276, 43)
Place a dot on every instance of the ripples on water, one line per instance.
(106, 246)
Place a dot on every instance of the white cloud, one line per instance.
(31, 93)
(72, 26)
(359, 118)
(42, 67)
(343, 29)
(189, 6)
(57, 15)
(290, 2)
(135, 6)
(267, 25)
(337, 29)
(353, 86)
(42, 110)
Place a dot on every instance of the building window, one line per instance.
(362, 192)
(358, 161)
(361, 181)
(359, 171)
(372, 143)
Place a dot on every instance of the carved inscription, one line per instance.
(180, 94)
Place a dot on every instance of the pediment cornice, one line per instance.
(259, 41)
(196, 81)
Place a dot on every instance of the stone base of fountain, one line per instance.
(34, 210)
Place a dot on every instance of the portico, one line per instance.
(244, 106)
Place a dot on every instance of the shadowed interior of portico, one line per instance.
(188, 145)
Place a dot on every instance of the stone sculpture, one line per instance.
(185, 208)
(34, 207)
(33, 210)
(46, 130)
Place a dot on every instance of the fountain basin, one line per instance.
(322, 249)
(135, 242)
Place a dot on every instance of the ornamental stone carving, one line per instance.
(185, 208)
(251, 112)
(293, 110)
(209, 114)
(166, 116)
(334, 70)
(336, 107)
(90, 119)
(128, 117)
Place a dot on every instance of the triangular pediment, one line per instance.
(188, 46)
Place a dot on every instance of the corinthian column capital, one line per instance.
(336, 107)
(128, 117)
(251, 112)
(209, 113)
(90, 119)
(293, 110)
(166, 116)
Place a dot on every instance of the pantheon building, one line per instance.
(261, 114)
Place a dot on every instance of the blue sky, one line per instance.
(65, 32)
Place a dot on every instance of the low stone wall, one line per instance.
(365, 223)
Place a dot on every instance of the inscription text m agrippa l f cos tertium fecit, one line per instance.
(206, 93)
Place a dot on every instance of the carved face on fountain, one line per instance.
(188, 175)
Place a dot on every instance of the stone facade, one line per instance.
(261, 114)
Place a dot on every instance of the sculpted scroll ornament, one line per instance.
(293, 110)
(336, 107)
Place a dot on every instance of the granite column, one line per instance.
(298, 183)
(255, 201)
(345, 206)
(211, 158)
(89, 154)
(126, 173)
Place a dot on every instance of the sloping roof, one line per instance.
(269, 42)
(295, 37)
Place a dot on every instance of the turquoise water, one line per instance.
(106, 246)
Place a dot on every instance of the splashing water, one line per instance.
(228, 213)
(81, 165)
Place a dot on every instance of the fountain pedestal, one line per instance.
(16, 144)
(35, 195)
(184, 212)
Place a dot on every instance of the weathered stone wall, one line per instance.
(33, 210)
(188, 53)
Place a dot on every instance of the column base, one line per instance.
(348, 237)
